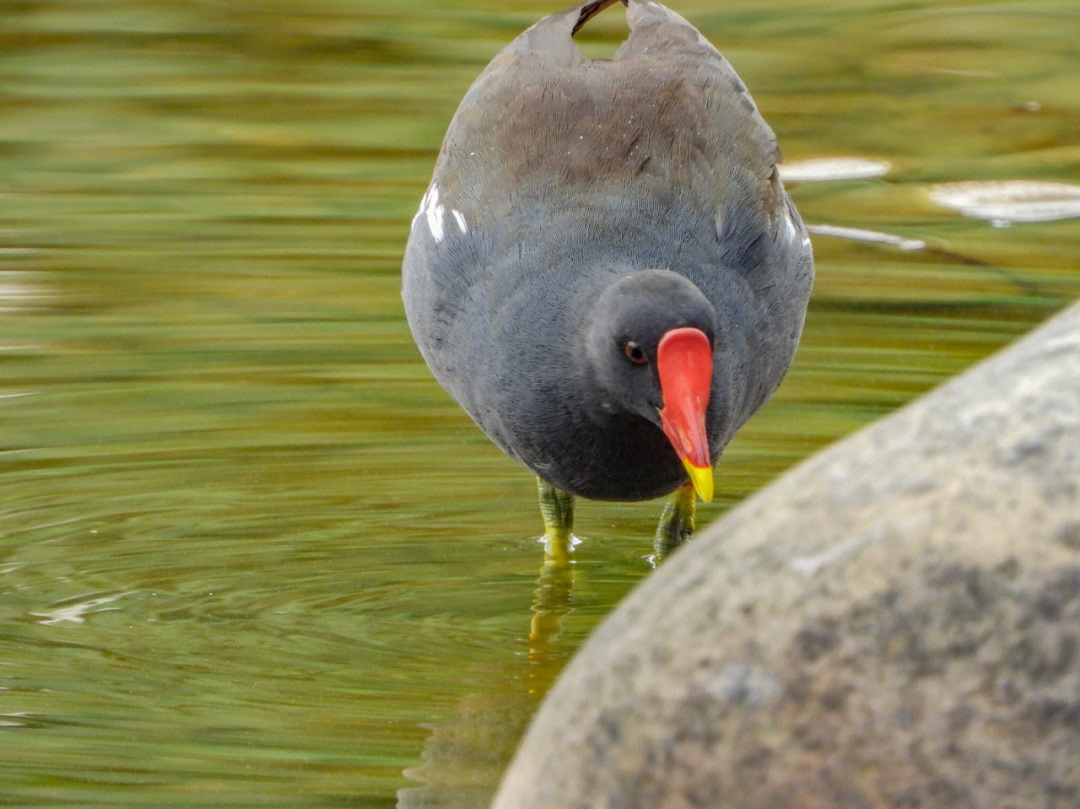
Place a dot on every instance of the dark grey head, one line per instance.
(629, 320)
(650, 348)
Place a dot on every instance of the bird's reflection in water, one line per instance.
(554, 589)
(465, 758)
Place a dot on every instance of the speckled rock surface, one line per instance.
(894, 623)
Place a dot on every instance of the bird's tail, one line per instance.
(590, 10)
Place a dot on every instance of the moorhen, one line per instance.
(606, 272)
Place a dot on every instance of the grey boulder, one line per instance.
(894, 623)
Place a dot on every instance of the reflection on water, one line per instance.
(15, 291)
(249, 552)
(825, 169)
(76, 613)
(553, 591)
(864, 235)
(1005, 202)
(464, 757)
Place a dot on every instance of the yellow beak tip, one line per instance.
(701, 477)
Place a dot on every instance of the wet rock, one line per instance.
(894, 623)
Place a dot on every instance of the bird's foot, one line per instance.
(676, 524)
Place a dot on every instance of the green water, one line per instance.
(250, 554)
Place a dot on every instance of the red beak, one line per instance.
(684, 363)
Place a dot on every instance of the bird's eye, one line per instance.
(635, 353)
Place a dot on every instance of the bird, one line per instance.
(605, 271)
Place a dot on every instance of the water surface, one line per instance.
(250, 554)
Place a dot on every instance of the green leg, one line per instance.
(558, 510)
(676, 523)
